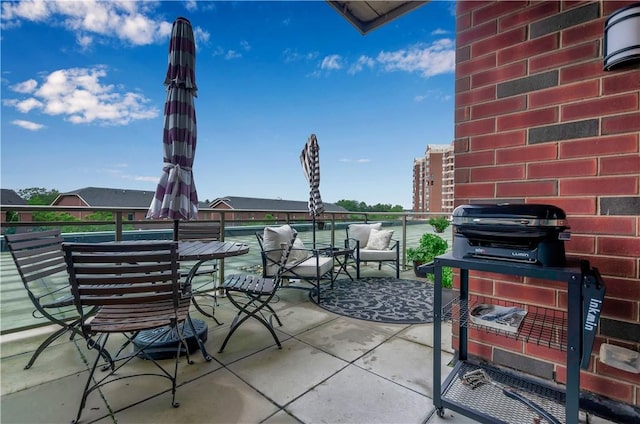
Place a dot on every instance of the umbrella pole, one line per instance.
(314, 231)
(175, 229)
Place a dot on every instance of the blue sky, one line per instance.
(82, 96)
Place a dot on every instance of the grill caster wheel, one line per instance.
(440, 412)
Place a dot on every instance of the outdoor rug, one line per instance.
(388, 300)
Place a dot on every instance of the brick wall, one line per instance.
(539, 121)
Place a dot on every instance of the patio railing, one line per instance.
(236, 225)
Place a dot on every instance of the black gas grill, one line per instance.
(530, 233)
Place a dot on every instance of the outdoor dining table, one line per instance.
(201, 252)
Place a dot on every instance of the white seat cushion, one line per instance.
(377, 255)
(307, 268)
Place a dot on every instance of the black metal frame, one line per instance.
(572, 275)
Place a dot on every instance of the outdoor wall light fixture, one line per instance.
(622, 37)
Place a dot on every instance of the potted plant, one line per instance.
(430, 246)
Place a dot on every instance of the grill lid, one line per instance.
(505, 214)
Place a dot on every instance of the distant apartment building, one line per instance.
(433, 180)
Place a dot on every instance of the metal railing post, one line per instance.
(118, 226)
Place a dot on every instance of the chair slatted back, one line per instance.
(284, 258)
(198, 231)
(123, 273)
(37, 255)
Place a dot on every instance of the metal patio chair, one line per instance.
(358, 236)
(203, 280)
(251, 294)
(40, 263)
(136, 287)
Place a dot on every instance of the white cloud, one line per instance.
(294, 56)
(363, 160)
(439, 31)
(232, 54)
(428, 60)
(128, 21)
(27, 125)
(78, 95)
(332, 62)
(360, 64)
(191, 5)
(25, 87)
(356, 160)
(245, 45)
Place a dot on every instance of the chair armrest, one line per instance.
(352, 243)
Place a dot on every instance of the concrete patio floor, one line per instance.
(331, 369)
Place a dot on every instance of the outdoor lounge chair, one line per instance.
(251, 294)
(370, 243)
(136, 287)
(311, 265)
(40, 262)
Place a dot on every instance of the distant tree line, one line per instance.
(356, 206)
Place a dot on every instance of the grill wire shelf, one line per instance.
(541, 326)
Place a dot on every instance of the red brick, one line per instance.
(564, 94)
(542, 352)
(621, 83)
(611, 6)
(621, 124)
(619, 246)
(607, 371)
(603, 106)
(474, 159)
(497, 173)
(476, 96)
(474, 66)
(463, 22)
(563, 168)
(531, 153)
(571, 205)
(499, 107)
(461, 175)
(497, 10)
(528, 119)
(462, 84)
(619, 309)
(526, 294)
(481, 286)
(474, 191)
(461, 145)
(611, 225)
(462, 114)
(495, 141)
(527, 188)
(580, 243)
(480, 350)
(596, 384)
(564, 56)
(469, 6)
(629, 164)
(619, 267)
(476, 33)
(499, 41)
(493, 339)
(481, 126)
(525, 16)
(502, 73)
(600, 146)
(577, 34)
(528, 49)
(583, 71)
(599, 186)
(622, 288)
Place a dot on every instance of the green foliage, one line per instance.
(429, 247)
(355, 206)
(269, 217)
(447, 277)
(439, 224)
(38, 195)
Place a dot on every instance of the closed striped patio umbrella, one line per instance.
(176, 197)
(310, 160)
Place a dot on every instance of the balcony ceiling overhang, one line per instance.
(369, 15)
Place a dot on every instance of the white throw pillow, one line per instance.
(298, 254)
(361, 232)
(273, 238)
(379, 239)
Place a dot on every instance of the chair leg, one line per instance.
(205, 354)
(87, 387)
(45, 344)
(244, 309)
